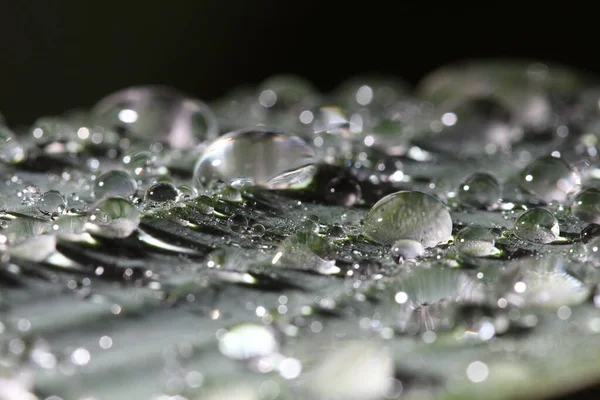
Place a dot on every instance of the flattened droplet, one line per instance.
(409, 215)
(586, 205)
(537, 225)
(476, 241)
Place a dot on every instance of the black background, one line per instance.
(57, 55)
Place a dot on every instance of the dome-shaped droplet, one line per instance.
(475, 241)
(157, 113)
(237, 223)
(480, 190)
(52, 203)
(549, 178)
(409, 215)
(115, 183)
(248, 341)
(114, 217)
(10, 150)
(336, 232)
(264, 158)
(406, 249)
(537, 225)
(258, 230)
(350, 218)
(586, 205)
(590, 232)
(161, 192)
(343, 192)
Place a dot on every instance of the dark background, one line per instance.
(57, 55)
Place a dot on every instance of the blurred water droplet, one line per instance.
(406, 249)
(305, 251)
(537, 225)
(115, 183)
(480, 190)
(11, 152)
(586, 205)
(247, 341)
(237, 223)
(590, 232)
(549, 178)
(476, 241)
(343, 192)
(409, 215)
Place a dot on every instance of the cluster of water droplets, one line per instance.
(462, 210)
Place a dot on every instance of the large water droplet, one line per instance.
(115, 183)
(409, 215)
(480, 190)
(586, 205)
(264, 158)
(476, 241)
(10, 150)
(158, 113)
(114, 217)
(52, 203)
(537, 225)
(549, 178)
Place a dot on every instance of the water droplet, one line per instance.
(142, 164)
(480, 190)
(52, 203)
(549, 178)
(247, 341)
(537, 225)
(11, 151)
(343, 192)
(264, 158)
(231, 194)
(586, 205)
(350, 218)
(336, 232)
(31, 195)
(258, 230)
(305, 251)
(157, 113)
(115, 183)
(187, 192)
(161, 192)
(409, 215)
(590, 232)
(476, 241)
(406, 249)
(114, 217)
(308, 225)
(237, 223)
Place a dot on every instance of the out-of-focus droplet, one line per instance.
(409, 215)
(476, 241)
(306, 251)
(480, 190)
(343, 192)
(590, 232)
(549, 178)
(114, 217)
(157, 113)
(162, 192)
(257, 230)
(247, 341)
(115, 183)
(586, 205)
(374, 92)
(259, 157)
(52, 203)
(336, 232)
(237, 223)
(11, 152)
(406, 249)
(537, 225)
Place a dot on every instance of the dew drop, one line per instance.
(537, 225)
(549, 178)
(237, 223)
(409, 215)
(260, 157)
(52, 203)
(476, 241)
(336, 232)
(343, 192)
(480, 190)
(586, 205)
(406, 249)
(11, 151)
(590, 232)
(114, 217)
(257, 230)
(115, 183)
(162, 192)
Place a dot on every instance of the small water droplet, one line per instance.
(115, 183)
(409, 215)
(247, 341)
(586, 205)
(52, 203)
(162, 192)
(590, 232)
(336, 232)
(476, 241)
(343, 192)
(537, 225)
(480, 190)
(406, 249)
(258, 230)
(549, 178)
(237, 223)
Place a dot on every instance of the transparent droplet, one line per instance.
(476, 241)
(52, 203)
(142, 164)
(260, 157)
(157, 113)
(350, 218)
(309, 225)
(586, 205)
(343, 192)
(52, 129)
(205, 204)
(237, 223)
(549, 178)
(374, 92)
(480, 190)
(247, 341)
(537, 225)
(593, 251)
(590, 232)
(258, 230)
(115, 183)
(114, 217)
(406, 249)
(231, 194)
(336, 232)
(187, 192)
(31, 195)
(162, 192)
(409, 215)
(305, 251)
(11, 151)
